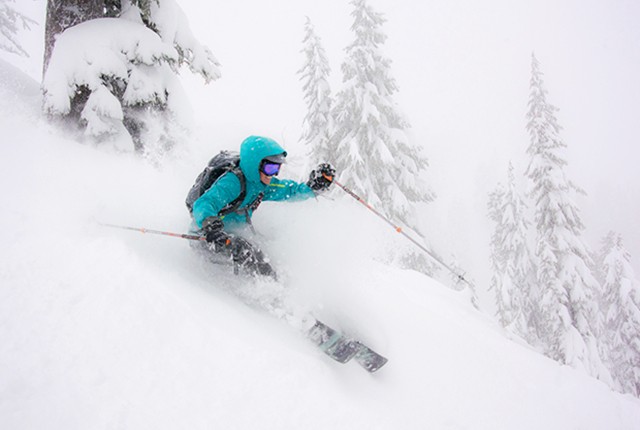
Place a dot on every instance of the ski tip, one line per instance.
(370, 360)
(372, 368)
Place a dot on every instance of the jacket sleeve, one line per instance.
(225, 190)
(287, 190)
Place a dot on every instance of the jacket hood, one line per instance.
(252, 150)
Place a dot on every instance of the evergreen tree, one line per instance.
(112, 69)
(569, 321)
(373, 153)
(10, 23)
(513, 271)
(622, 310)
(317, 93)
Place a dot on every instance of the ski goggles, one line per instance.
(269, 168)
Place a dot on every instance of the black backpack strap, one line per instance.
(235, 204)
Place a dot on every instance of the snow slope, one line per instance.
(109, 329)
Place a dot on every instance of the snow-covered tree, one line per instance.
(569, 320)
(373, 153)
(316, 132)
(63, 14)
(622, 309)
(513, 271)
(10, 23)
(116, 76)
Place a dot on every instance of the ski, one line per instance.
(332, 343)
(369, 359)
(342, 348)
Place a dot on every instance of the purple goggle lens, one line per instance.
(270, 169)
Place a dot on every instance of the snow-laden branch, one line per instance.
(97, 53)
(10, 23)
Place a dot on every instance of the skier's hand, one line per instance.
(214, 232)
(321, 177)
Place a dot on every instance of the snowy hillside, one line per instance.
(106, 329)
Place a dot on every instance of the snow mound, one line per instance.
(18, 92)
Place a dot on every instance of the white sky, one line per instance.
(463, 71)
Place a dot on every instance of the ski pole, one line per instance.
(399, 230)
(164, 233)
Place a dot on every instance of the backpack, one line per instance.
(225, 161)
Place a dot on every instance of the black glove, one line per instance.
(321, 177)
(214, 233)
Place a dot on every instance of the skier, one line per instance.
(260, 161)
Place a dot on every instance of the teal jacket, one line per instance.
(227, 188)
